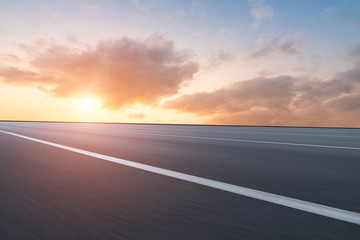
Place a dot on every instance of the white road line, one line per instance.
(243, 140)
(315, 208)
(218, 139)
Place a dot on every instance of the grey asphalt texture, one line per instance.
(51, 193)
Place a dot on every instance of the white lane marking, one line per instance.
(243, 140)
(315, 208)
(244, 132)
(215, 139)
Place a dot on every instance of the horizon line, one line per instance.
(182, 124)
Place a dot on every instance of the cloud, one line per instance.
(136, 115)
(217, 58)
(260, 12)
(241, 96)
(10, 57)
(223, 37)
(275, 44)
(119, 72)
(142, 8)
(281, 100)
(343, 15)
(354, 50)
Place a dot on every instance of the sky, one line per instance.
(237, 62)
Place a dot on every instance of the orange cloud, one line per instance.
(136, 115)
(282, 100)
(120, 72)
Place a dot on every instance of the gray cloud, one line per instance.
(276, 44)
(119, 72)
(354, 50)
(282, 100)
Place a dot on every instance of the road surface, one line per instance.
(209, 182)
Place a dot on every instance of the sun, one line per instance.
(89, 103)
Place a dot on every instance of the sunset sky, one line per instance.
(256, 62)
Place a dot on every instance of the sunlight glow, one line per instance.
(90, 103)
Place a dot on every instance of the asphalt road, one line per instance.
(51, 193)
